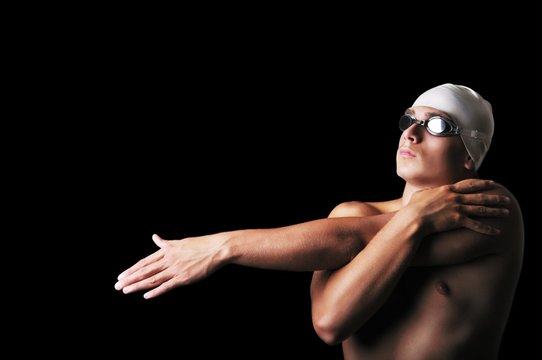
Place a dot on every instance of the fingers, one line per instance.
(148, 260)
(485, 211)
(149, 282)
(479, 227)
(163, 288)
(471, 185)
(159, 241)
(144, 273)
(140, 264)
(484, 199)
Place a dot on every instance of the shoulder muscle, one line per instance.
(353, 209)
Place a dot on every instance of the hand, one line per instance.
(453, 206)
(178, 262)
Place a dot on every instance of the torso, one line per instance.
(459, 310)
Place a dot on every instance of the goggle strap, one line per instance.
(475, 134)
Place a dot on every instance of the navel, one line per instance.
(443, 288)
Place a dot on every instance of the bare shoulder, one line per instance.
(464, 245)
(354, 209)
(515, 217)
(513, 224)
(499, 188)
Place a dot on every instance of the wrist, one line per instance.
(229, 248)
(417, 226)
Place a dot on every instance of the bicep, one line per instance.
(368, 227)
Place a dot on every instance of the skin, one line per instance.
(418, 293)
(429, 275)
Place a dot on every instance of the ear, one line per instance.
(469, 163)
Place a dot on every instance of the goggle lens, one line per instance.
(435, 125)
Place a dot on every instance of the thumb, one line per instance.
(159, 241)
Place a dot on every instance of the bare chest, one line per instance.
(434, 308)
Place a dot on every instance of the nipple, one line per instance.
(443, 288)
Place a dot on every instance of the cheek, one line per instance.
(456, 151)
(445, 153)
(438, 152)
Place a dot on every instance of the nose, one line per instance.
(414, 133)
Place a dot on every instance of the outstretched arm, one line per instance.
(314, 245)
(309, 246)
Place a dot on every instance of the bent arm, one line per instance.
(344, 299)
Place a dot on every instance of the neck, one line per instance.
(409, 190)
(412, 187)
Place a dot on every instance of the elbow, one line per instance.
(328, 330)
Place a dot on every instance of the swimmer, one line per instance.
(430, 275)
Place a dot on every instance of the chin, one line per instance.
(406, 172)
(415, 175)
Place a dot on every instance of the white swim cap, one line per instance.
(469, 111)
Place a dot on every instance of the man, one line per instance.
(428, 276)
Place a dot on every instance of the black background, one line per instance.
(225, 132)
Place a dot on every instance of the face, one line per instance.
(426, 160)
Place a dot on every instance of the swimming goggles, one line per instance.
(435, 125)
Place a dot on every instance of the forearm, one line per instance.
(344, 299)
(315, 245)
